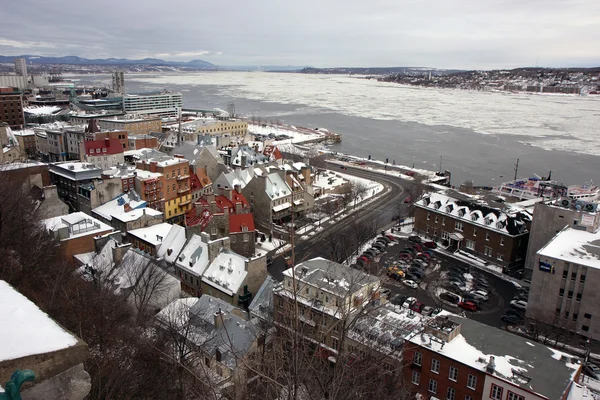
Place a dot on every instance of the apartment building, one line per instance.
(56, 146)
(133, 126)
(162, 104)
(326, 295)
(105, 153)
(68, 177)
(143, 142)
(26, 141)
(172, 184)
(457, 358)
(496, 234)
(11, 107)
(270, 197)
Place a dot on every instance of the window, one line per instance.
(246, 237)
(450, 394)
(417, 358)
(445, 235)
(566, 314)
(474, 231)
(561, 292)
(470, 244)
(487, 236)
(326, 299)
(501, 241)
(335, 343)
(458, 226)
(436, 219)
(416, 377)
(435, 366)
(570, 296)
(582, 278)
(565, 274)
(575, 316)
(500, 257)
(307, 290)
(487, 251)
(573, 276)
(514, 396)
(289, 283)
(496, 392)
(428, 216)
(443, 221)
(588, 316)
(467, 397)
(453, 374)
(471, 381)
(578, 297)
(433, 386)
(585, 328)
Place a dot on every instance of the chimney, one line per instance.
(238, 207)
(244, 160)
(213, 206)
(153, 166)
(237, 188)
(226, 211)
(118, 251)
(491, 366)
(218, 319)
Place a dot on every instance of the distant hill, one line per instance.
(377, 70)
(74, 60)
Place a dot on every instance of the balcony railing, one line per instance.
(183, 190)
(182, 177)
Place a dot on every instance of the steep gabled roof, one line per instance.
(241, 223)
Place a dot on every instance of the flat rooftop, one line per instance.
(576, 246)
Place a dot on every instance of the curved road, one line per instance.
(383, 208)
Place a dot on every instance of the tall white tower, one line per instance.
(21, 67)
(118, 82)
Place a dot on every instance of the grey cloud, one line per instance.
(439, 33)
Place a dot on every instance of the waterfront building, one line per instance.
(162, 104)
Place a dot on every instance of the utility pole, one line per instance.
(516, 169)
(441, 159)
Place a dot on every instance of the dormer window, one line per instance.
(462, 212)
(474, 217)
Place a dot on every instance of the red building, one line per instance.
(104, 153)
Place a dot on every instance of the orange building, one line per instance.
(166, 182)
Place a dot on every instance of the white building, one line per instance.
(164, 104)
(21, 67)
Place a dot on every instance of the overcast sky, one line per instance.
(322, 33)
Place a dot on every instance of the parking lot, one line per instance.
(436, 273)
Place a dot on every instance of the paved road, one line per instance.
(382, 209)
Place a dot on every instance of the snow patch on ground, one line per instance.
(27, 330)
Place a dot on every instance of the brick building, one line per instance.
(498, 234)
(11, 107)
(26, 140)
(134, 127)
(171, 182)
(76, 233)
(143, 142)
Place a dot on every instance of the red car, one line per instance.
(418, 306)
(404, 256)
(430, 245)
(467, 305)
(363, 259)
(408, 199)
(392, 238)
(417, 247)
(410, 173)
(424, 255)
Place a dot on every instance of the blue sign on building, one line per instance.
(546, 267)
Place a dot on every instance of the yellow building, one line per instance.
(177, 207)
(192, 129)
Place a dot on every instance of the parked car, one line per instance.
(414, 239)
(484, 295)
(418, 307)
(392, 238)
(519, 304)
(369, 254)
(379, 246)
(430, 245)
(385, 238)
(417, 247)
(592, 371)
(427, 310)
(269, 261)
(472, 299)
(398, 299)
(454, 275)
(421, 263)
(362, 259)
(450, 297)
(468, 305)
(460, 286)
(374, 250)
(419, 273)
(424, 255)
(404, 256)
(386, 293)
(411, 284)
(513, 312)
(412, 277)
(459, 268)
(511, 319)
(408, 199)
(408, 303)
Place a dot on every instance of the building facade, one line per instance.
(563, 284)
(163, 104)
(11, 107)
(134, 127)
(68, 177)
(105, 153)
(549, 218)
(495, 235)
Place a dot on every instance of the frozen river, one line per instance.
(479, 135)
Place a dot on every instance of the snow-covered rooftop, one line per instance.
(27, 330)
(527, 364)
(154, 234)
(226, 273)
(41, 110)
(574, 245)
(76, 166)
(511, 222)
(78, 224)
(172, 243)
(194, 256)
(117, 206)
(277, 187)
